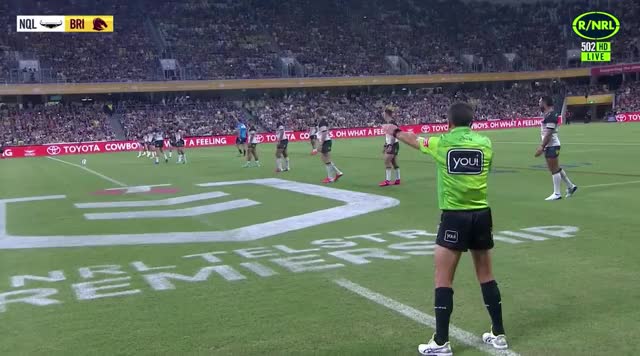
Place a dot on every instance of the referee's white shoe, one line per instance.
(497, 341)
(433, 349)
(554, 196)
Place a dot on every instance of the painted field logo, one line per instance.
(596, 26)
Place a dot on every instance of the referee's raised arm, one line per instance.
(463, 160)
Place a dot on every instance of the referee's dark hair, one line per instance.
(547, 100)
(460, 114)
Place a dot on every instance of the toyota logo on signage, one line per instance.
(425, 129)
(259, 138)
(53, 150)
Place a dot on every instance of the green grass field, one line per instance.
(568, 270)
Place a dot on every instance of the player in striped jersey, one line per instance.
(282, 156)
(252, 150)
(324, 139)
(390, 151)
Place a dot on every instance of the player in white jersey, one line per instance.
(158, 142)
(252, 150)
(313, 137)
(148, 139)
(170, 140)
(282, 155)
(390, 152)
(177, 141)
(324, 139)
(550, 146)
(143, 145)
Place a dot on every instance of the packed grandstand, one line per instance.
(248, 39)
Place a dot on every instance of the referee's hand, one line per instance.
(389, 129)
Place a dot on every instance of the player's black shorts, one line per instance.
(283, 144)
(552, 152)
(392, 149)
(241, 140)
(172, 143)
(326, 146)
(158, 143)
(179, 143)
(313, 137)
(462, 230)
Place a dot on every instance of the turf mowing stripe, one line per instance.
(463, 336)
(90, 171)
(610, 184)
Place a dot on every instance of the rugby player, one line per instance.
(170, 143)
(158, 142)
(313, 138)
(143, 145)
(463, 159)
(252, 149)
(324, 139)
(550, 146)
(282, 155)
(178, 143)
(390, 151)
(148, 142)
(241, 139)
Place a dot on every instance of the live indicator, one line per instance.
(596, 56)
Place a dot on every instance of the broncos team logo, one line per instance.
(99, 24)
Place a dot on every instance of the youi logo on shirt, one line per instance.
(465, 161)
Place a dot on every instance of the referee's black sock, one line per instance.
(491, 296)
(443, 308)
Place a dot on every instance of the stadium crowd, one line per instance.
(197, 118)
(38, 124)
(244, 38)
(204, 117)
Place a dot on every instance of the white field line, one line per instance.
(90, 171)
(463, 336)
(610, 184)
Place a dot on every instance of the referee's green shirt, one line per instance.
(464, 159)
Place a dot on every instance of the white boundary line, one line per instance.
(463, 336)
(90, 171)
(610, 184)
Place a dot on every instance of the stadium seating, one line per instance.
(245, 38)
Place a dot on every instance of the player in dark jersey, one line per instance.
(390, 151)
(282, 155)
(550, 146)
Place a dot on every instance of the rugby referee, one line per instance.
(463, 160)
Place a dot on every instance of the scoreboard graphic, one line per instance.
(64, 23)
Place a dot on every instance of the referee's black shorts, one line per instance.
(462, 230)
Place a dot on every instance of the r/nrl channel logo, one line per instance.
(596, 25)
